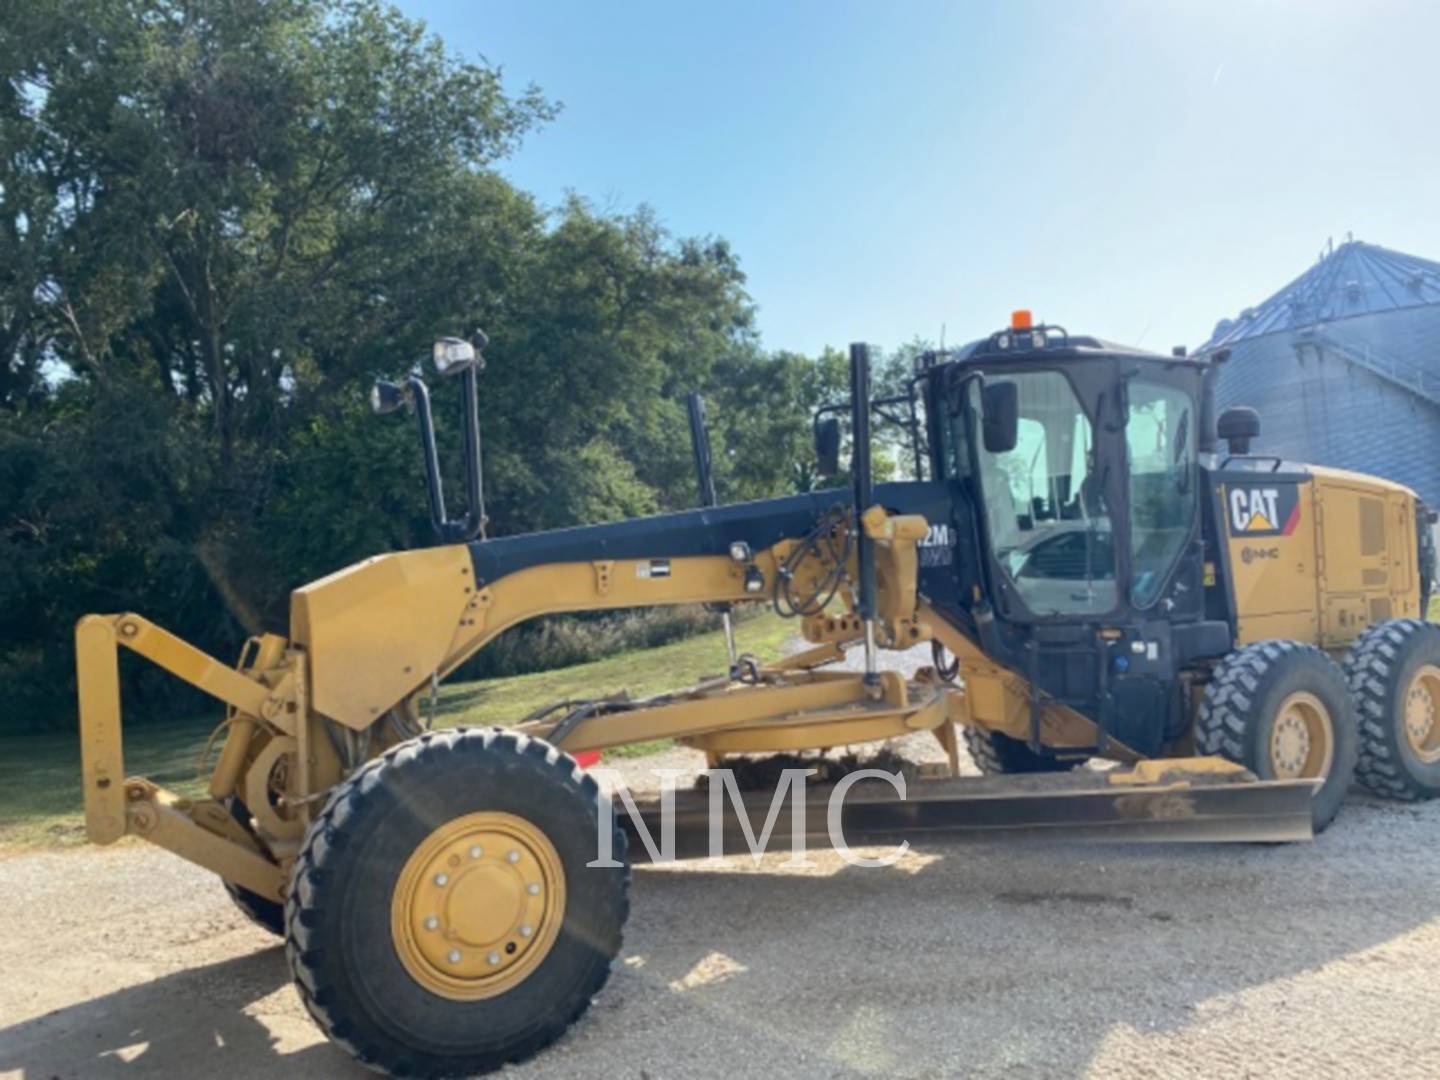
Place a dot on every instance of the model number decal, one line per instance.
(1249, 554)
(939, 536)
(937, 547)
(653, 569)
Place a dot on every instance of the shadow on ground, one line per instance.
(188, 1024)
(991, 958)
(976, 959)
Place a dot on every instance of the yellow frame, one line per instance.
(369, 639)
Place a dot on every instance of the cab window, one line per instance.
(1046, 518)
(1160, 452)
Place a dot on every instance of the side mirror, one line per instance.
(386, 397)
(827, 446)
(1237, 427)
(1001, 425)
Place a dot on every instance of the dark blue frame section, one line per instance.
(689, 533)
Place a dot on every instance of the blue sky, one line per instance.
(1133, 170)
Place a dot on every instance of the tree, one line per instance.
(220, 216)
(221, 220)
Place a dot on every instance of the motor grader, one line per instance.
(1098, 579)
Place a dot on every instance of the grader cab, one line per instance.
(1097, 579)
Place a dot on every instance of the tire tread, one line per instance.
(327, 838)
(1371, 668)
(995, 757)
(1224, 720)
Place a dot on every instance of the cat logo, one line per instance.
(1264, 511)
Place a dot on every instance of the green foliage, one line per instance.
(40, 799)
(563, 641)
(219, 221)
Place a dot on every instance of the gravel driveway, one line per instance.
(977, 959)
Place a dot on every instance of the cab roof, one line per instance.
(1043, 341)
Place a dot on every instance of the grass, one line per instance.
(40, 774)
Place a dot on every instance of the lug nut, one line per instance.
(442, 880)
(476, 851)
(454, 956)
(432, 923)
(494, 959)
(533, 889)
(526, 930)
(513, 856)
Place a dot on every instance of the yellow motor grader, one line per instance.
(1097, 580)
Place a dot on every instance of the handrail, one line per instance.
(1408, 376)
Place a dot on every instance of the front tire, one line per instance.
(995, 754)
(442, 920)
(267, 914)
(1393, 670)
(1282, 709)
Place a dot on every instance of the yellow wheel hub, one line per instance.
(1302, 740)
(1422, 714)
(478, 906)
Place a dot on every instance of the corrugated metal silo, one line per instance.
(1343, 365)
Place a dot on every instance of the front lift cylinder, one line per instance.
(861, 479)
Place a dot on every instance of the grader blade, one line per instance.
(1096, 807)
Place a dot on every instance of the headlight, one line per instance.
(386, 397)
(452, 355)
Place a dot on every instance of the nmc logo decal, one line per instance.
(1270, 510)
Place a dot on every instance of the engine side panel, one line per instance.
(1316, 555)
(1368, 567)
(1269, 523)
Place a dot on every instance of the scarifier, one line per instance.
(1097, 579)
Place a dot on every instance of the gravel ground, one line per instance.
(978, 959)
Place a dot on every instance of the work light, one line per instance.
(452, 355)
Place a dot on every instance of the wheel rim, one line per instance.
(478, 906)
(1422, 714)
(1302, 739)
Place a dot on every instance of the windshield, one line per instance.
(1047, 522)
(1160, 448)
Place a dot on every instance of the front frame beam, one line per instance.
(97, 668)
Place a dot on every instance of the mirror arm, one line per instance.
(955, 390)
(473, 527)
(420, 395)
(473, 524)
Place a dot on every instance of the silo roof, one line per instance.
(1354, 279)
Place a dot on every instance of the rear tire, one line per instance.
(996, 755)
(1282, 709)
(419, 933)
(1393, 669)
